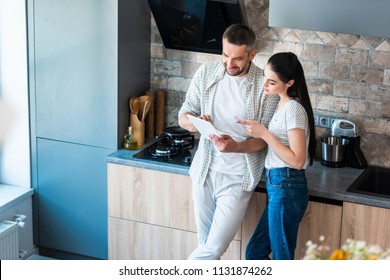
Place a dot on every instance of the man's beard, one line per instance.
(240, 70)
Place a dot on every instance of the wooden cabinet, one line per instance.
(368, 223)
(150, 196)
(129, 240)
(151, 215)
(251, 219)
(319, 219)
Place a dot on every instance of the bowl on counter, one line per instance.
(373, 181)
(334, 149)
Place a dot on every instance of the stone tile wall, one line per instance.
(347, 75)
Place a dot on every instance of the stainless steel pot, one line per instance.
(334, 149)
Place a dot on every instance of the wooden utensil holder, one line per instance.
(138, 129)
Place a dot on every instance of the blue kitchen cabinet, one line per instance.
(72, 208)
(75, 71)
(86, 59)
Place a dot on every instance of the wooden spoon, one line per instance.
(135, 106)
(131, 105)
(142, 101)
(146, 109)
(131, 102)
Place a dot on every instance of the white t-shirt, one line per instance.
(291, 115)
(229, 106)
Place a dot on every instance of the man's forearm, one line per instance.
(251, 145)
(185, 123)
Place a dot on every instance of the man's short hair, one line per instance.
(240, 34)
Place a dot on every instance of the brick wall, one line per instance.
(347, 75)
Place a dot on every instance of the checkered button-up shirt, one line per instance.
(200, 101)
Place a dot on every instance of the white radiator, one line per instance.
(9, 240)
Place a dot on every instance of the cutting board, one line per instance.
(160, 112)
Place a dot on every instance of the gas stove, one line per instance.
(171, 149)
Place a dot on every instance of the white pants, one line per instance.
(219, 206)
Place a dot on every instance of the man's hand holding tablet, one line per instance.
(204, 127)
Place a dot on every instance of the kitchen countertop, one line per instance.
(323, 182)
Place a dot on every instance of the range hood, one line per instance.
(196, 25)
(359, 17)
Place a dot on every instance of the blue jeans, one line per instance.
(277, 229)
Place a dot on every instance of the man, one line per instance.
(226, 169)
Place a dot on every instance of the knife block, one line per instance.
(138, 129)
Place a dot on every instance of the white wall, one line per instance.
(15, 151)
(15, 147)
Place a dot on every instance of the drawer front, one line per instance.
(150, 196)
(153, 197)
(130, 240)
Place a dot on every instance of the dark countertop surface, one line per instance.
(324, 182)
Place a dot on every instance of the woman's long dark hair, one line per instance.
(287, 67)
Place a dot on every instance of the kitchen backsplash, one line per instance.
(347, 75)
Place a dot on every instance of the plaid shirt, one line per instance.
(200, 101)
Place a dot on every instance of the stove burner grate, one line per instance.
(161, 151)
(172, 150)
(178, 143)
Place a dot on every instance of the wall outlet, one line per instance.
(332, 119)
(316, 120)
(324, 120)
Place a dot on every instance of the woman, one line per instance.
(291, 148)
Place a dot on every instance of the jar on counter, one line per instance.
(129, 142)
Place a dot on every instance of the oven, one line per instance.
(175, 146)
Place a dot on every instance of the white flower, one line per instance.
(351, 250)
(309, 243)
(360, 245)
(375, 250)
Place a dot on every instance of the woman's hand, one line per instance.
(254, 128)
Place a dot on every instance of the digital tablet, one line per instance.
(204, 127)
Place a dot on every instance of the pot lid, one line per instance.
(176, 131)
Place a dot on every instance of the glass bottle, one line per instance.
(129, 142)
